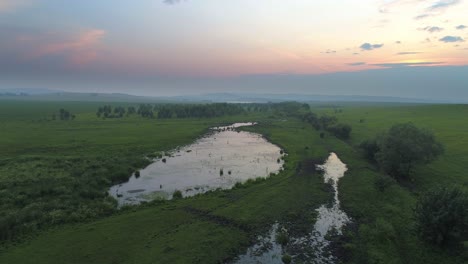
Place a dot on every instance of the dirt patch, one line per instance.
(309, 166)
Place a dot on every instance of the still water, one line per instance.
(218, 160)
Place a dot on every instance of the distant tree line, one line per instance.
(197, 110)
(167, 111)
(118, 111)
(14, 94)
(328, 123)
(279, 109)
(63, 115)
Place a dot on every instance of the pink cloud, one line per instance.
(79, 50)
(9, 5)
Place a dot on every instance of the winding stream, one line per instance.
(313, 247)
(218, 160)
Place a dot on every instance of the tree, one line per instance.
(442, 216)
(342, 131)
(131, 110)
(119, 111)
(146, 110)
(313, 119)
(405, 145)
(65, 115)
(327, 121)
(370, 148)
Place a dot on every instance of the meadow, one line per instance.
(386, 231)
(88, 154)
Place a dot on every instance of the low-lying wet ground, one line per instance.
(218, 160)
(314, 246)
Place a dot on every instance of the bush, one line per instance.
(282, 238)
(341, 131)
(286, 259)
(370, 148)
(405, 145)
(442, 216)
(383, 182)
(177, 194)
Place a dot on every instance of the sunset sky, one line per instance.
(173, 47)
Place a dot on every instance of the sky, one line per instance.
(405, 48)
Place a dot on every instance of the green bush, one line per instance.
(341, 131)
(282, 238)
(286, 259)
(442, 216)
(370, 148)
(383, 182)
(405, 145)
(177, 194)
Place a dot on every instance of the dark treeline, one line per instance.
(328, 123)
(63, 115)
(279, 109)
(166, 111)
(197, 110)
(117, 112)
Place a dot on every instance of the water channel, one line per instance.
(313, 247)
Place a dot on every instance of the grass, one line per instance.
(214, 227)
(386, 225)
(180, 231)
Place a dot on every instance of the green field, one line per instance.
(386, 232)
(57, 166)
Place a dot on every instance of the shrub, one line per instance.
(177, 194)
(341, 131)
(405, 145)
(442, 216)
(286, 259)
(282, 238)
(370, 148)
(383, 182)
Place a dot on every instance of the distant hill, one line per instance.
(263, 98)
(27, 91)
(56, 95)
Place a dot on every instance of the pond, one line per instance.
(218, 160)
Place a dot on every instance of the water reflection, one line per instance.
(314, 246)
(218, 160)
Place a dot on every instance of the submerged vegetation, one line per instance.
(52, 181)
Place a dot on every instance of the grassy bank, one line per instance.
(54, 172)
(386, 230)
